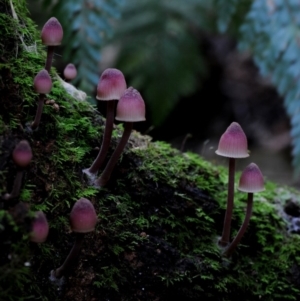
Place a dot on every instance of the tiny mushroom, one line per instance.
(251, 181)
(40, 228)
(51, 35)
(83, 219)
(70, 72)
(42, 84)
(22, 156)
(233, 144)
(130, 108)
(110, 88)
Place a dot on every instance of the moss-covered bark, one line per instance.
(160, 216)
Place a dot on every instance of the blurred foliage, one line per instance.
(86, 24)
(160, 51)
(271, 31)
(231, 14)
(161, 46)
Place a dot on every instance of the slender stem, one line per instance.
(105, 176)
(187, 136)
(16, 187)
(243, 228)
(110, 115)
(230, 196)
(50, 52)
(39, 112)
(59, 272)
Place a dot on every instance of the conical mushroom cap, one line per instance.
(22, 153)
(83, 216)
(70, 72)
(40, 228)
(233, 143)
(251, 179)
(111, 85)
(52, 32)
(131, 106)
(42, 82)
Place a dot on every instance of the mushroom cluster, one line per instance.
(51, 36)
(233, 145)
(130, 108)
(110, 88)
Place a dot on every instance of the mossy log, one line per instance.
(160, 216)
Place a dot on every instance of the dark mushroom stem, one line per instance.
(243, 228)
(110, 115)
(59, 272)
(230, 196)
(50, 53)
(16, 187)
(105, 176)
(39, 112)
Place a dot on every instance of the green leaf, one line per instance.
(271, 31)
(159, 52)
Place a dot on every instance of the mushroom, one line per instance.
(130, 108)
(251, 181)
(70, 72)
(233, 144)
(110, 88)
(22, 156)
(42, 84)
(83, 219)
(51, 35)
(40, 228)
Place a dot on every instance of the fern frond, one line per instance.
(272, 32)
(87, 24)
(159, 52)
(230, 14)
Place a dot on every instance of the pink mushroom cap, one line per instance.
(111, 85)
(70, 72)
(131, 106)
(52, 32)
(233, 143)
(83, 216)
(40, 228)
(42, 82)
(251, 179)
(22, 153)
